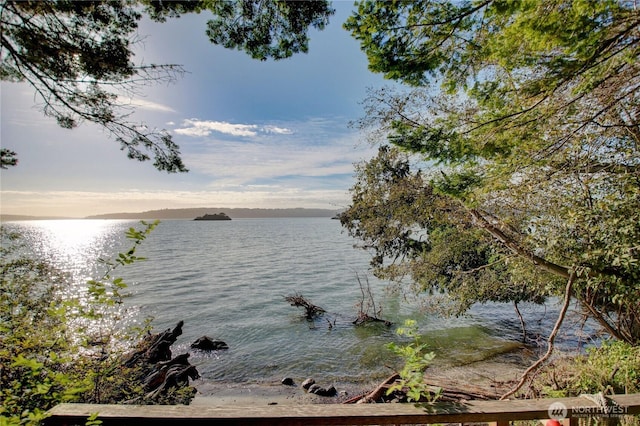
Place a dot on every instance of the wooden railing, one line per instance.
(499, 413)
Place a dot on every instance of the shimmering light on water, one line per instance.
(73, 245)
(228, 280)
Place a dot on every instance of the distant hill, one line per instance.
(15, 217)
(234, 213)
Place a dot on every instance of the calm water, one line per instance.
(228, 280)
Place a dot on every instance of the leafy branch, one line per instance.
(108, 290)
(416, 361)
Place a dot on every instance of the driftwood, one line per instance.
(155, 347)
(453, 393)
(375, 394)
(153, 366)
(174, 377)
(447, 391)
(299, 301)
(367, 304)
(364, 318)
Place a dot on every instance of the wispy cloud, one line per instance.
(277, 130)
(148, 105)
(200, 128)
(277, 160)
(316, 153)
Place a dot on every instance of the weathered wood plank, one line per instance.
(329, 414)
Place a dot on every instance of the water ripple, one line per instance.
(228, 281)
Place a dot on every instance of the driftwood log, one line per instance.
(155, 347)
(312, 311)
(364, 318)
(375, 395)
(155, 368)
(299, 301)
(448, 392)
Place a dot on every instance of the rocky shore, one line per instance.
(491, 377)
(482, 379)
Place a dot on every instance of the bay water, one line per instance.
(228, 280)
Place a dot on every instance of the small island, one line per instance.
(218, 216)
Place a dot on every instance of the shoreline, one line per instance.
(493, 376)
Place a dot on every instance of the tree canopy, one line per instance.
(77, 56)
(264, 29)
(525, 117)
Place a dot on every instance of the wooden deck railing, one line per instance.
(497, 412)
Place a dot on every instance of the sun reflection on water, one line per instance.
(74, 245)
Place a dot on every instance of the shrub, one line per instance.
(37, 366)
(613, 367)
(416, 361)
(48, 351)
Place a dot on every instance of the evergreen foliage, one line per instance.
(521, 122)
(266, 29)
(7, 158)
(78, 58)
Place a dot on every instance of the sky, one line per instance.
(256, 134)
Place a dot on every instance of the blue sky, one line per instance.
(268, 134)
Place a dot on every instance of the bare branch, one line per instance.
(550, 340)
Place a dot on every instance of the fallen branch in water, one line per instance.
(367, 304)
(299, 301)
(364, 318)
